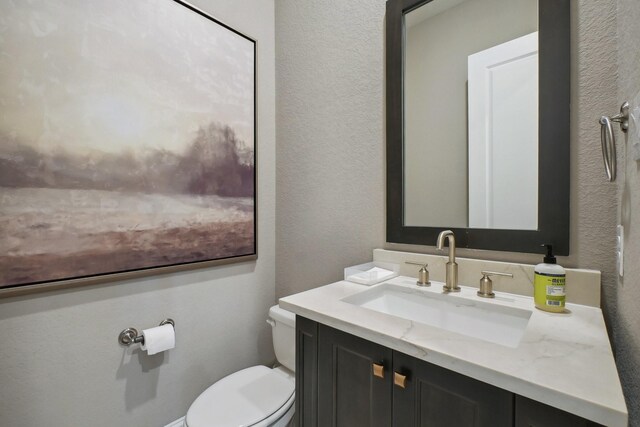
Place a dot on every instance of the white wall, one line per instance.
(60, 362)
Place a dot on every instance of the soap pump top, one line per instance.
(549, 258)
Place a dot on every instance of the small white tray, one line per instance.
(371, 273)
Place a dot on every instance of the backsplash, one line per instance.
(583, 286)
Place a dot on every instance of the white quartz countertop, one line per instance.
(563, 360)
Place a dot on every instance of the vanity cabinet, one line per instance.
(344, 380)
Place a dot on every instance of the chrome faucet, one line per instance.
(451, 284)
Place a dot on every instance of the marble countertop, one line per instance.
(563, 360)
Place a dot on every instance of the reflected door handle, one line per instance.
(400, 380)
(378, 370)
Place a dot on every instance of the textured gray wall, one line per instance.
(330, 152)
(60, 363)
(330, 122)
(627, 317)
(330, 141)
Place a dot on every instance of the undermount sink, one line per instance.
(494, 323)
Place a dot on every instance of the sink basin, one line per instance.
(494, 323)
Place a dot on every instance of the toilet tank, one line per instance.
(283, 328)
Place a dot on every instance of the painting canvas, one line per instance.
(127, 139)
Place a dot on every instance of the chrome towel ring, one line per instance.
(608, 139)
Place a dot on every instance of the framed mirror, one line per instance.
(478, 101)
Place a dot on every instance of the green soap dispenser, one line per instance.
(548, 284)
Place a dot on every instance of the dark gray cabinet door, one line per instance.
(437, 397)
(349, 393)
(530, 413)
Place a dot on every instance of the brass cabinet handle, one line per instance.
(378, 370)
(400, 380)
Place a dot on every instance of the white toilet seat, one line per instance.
(281, 417)
(256, 396)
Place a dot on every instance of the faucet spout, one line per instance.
(448, 235)
(451, 284)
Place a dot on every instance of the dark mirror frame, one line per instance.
(553, 137)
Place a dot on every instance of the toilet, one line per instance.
(257, 396)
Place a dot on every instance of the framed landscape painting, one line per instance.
(127, 141)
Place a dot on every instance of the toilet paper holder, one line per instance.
(131, 336)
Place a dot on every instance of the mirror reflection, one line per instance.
(471, 114)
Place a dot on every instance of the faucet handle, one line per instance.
(423, 273)
(486, 284)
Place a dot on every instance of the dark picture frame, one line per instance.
(154, 207)
(554, 140)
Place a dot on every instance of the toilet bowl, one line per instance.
(257, 396)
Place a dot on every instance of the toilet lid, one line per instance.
(241, 399)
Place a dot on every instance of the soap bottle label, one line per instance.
(549, 291)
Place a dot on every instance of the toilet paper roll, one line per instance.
(160, 338)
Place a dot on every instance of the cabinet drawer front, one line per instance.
(350, 391)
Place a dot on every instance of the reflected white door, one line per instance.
(503, 135)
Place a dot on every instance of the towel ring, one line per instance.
(608, 139)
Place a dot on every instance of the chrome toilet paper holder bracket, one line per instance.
(131, 336)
